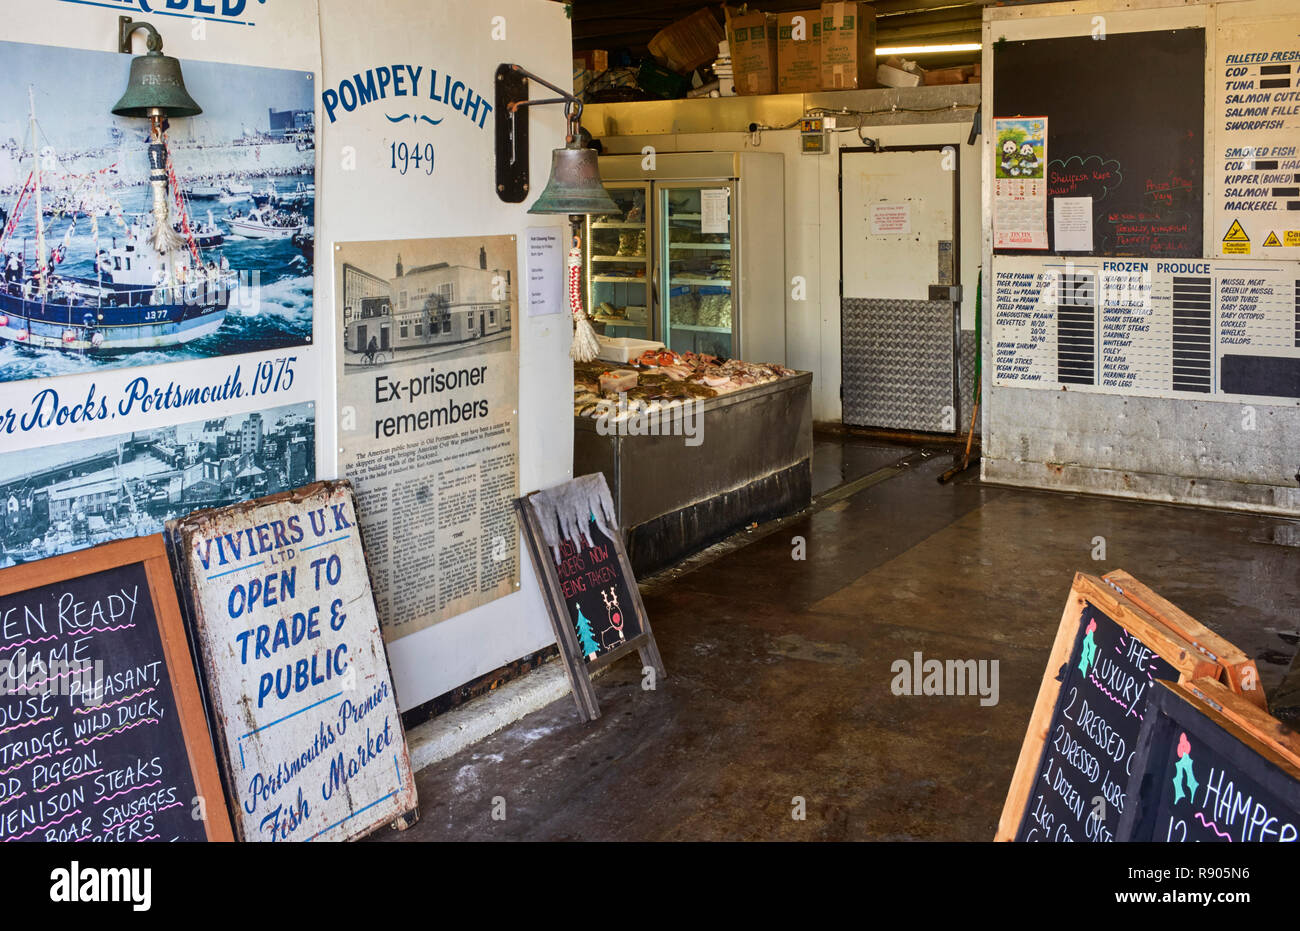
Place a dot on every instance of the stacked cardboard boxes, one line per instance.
(831, 47)
(799, 52)
(751, 38)
(848, 46)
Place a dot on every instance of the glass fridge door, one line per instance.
(699, 311)
(617, 252)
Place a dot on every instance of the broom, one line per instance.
(970, 435)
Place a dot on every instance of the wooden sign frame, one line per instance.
(1233, 714)
(150, 553)
(222, 692)
(1086, 589)
(1239, 670)
(578, 669)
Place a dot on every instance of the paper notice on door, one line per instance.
(1020, 183)
(714, 214)
(1072, 223)
(891, 219)
(545, 270)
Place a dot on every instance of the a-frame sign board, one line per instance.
(1211, 767)
(591, 594)
(1108, 655)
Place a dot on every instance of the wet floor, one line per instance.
(779, 668)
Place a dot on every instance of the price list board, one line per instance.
(1257, 126)
(1223, 330)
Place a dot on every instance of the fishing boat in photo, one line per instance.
(266, 222)
(302, 192)
(207, 235)
(145, 290)
(305, 240)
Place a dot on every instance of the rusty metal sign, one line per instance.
(294, 666)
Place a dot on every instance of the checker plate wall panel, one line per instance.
(898, 364)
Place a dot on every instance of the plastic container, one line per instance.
(624, 348)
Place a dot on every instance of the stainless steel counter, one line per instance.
(753, 463)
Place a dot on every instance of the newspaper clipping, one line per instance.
(428, 394)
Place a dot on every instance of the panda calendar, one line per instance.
(1020, 183)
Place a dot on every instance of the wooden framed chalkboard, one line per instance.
(592, 596)
(1125, 119)
(1239, 670)
(1071, 776)
(102, 731)
(1201, 775)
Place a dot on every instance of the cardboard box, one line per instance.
(752, 41)
(848, 46)
(688, 43)
(596, 60)
(894, 72)
(958, 75)
(799, 51)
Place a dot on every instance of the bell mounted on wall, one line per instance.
(155, 90)
(574, 186)
(156, 87)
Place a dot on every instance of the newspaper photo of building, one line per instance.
(66, 497)
(445, 309)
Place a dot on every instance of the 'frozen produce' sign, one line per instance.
(1216, 329)
(295, 666)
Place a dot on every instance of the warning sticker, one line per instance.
(1235, 241)
(1272, 240)
(1291, 237)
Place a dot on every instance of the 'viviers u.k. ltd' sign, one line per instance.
(294, 665)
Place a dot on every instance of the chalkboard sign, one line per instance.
(1074, 766)
(294, 666)
(591, 593)
(1200, 776)
(102, 732)
(1124, 119)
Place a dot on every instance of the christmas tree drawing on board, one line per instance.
(589, 645)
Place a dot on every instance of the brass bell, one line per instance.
(155, 86)
(574, 185)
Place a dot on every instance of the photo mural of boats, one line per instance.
(82, 284)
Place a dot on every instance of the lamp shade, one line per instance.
(574, 185)
(156, 88)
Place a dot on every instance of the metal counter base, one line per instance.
(753, 462)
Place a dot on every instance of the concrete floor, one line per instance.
(779, 670)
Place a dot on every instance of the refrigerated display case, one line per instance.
(618, 269)
(696, 256)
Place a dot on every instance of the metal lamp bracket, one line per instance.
(512, 104)
(511, 135)
(126, 26)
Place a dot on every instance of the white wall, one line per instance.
(370, 201)
(812, 220)
(1185, 450)
(329, 42)
(283, 36)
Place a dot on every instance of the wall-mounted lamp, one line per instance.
(155, 90)
(574, 186)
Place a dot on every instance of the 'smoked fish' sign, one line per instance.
(295, 666)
